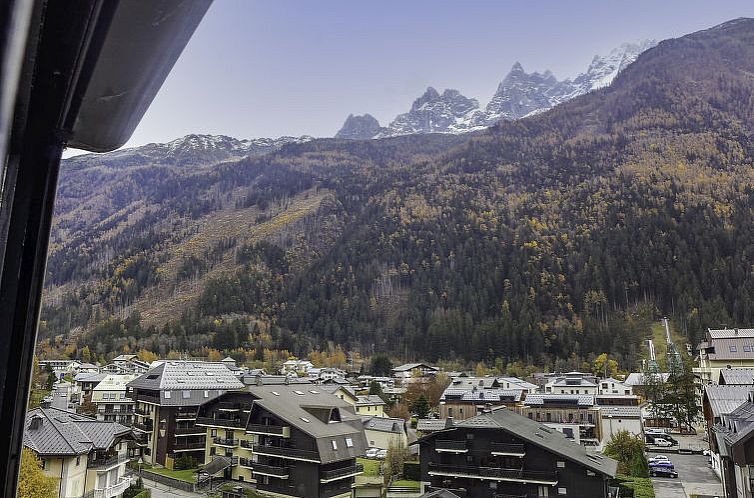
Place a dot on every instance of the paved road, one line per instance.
(694, 477)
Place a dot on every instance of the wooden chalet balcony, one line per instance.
(270, 470)
(107, 463)
(220, 441)
(185, 415)
(507, 449)
(494, 474)
(269, 430)
(233, 407)
(188, 445)
(447, 446)
(289, 453)
(190, 431)
(230, 422)
(148, 398)
(341, 473)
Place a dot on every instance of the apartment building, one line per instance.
(733, 444)
(167, 399)
(290, 440)
(88, 456)
(576, 416)
(463, 403)
(723, 349)
(109, 396)
(503, 454)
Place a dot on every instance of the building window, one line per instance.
(349, 442)
(334, 444)
(213, 432)
(562, 491)
(186, 394)
(44, 464)
(560, 464)
(206, 394)
(78, 461)
(167, 394)
(733, 349)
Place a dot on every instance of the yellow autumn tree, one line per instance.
(147, 356)
(32, 481)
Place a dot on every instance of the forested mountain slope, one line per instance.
(547, 239)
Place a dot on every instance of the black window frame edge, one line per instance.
(58, 34)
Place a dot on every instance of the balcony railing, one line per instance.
(269, 430)
(225, 442)
(141, 411)
(185, 415)
(106, 463)
(186, 431)
(115, 411)
(507, 449)
(341, 473)
(234, 423)
(233, 407)
(110, 491)
(272, 471)
(289, 453)
(144, 427)
(147, 398)
(245, 443)
(188, 446)
(245, 462)
(494, 474)
(447, 446)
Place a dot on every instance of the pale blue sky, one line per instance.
(265, 68)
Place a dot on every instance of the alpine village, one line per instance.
(549, 296)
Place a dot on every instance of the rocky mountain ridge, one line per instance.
(519, 94)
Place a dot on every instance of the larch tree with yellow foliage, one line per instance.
(32, 481)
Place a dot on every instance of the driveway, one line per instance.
(695, 477)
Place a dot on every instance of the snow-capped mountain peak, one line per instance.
(519, 94)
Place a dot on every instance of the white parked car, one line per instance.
(372, 452)
(382, 454)
(662, 442)
(659, 458)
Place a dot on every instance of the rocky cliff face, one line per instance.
(518, 95)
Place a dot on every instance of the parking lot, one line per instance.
(695, 477)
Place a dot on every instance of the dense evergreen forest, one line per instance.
(547, 240)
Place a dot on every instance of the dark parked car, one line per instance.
(662, 472)
(661, 464)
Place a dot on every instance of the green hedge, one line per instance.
(412, 471)
(147, 493)
(636, 487)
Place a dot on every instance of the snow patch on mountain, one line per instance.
(519, 94)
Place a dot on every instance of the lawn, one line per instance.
(181, 475)
(371, 467)
(406, 484)
(641, 486)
